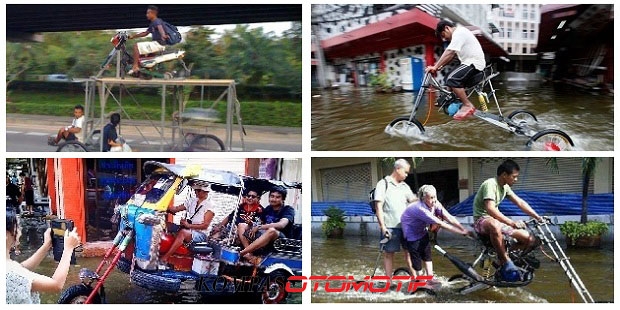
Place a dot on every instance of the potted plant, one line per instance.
(583, 233)
(334, 226)
(380, 82)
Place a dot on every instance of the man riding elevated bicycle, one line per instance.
(491, 222)
(464, 45)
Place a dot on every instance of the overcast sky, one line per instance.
(277, 28)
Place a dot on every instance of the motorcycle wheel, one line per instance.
(77, 294)
(275, 289)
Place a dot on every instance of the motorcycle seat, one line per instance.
(201, 248)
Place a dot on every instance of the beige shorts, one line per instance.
(150, 47)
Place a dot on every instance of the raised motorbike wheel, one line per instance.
(523, 118)
(550, 140)
(77, 294)
(457, 277)
(402, 124)
(275, 289)
(206, 143)
(402, 271)
(71, 146)
(124, 265)
(155, 282)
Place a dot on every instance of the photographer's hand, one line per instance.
(47, 238)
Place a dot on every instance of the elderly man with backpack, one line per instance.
(163, 34)
(392, 196)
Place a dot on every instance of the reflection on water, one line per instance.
(119, 290)
(356, 256)
(355, 119)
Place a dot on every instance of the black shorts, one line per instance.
(29, 197)
(71, 136)
(462, 76)
(419, 250)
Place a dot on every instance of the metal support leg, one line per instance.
(102, 100)
(163, 117)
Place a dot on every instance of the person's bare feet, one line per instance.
(464, 112)
(254, 260)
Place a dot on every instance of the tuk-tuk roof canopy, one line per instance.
(196, 173)
(200, 175)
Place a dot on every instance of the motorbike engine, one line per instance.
(444, 99)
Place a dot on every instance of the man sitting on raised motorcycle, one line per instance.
(277, 219)
(156, 28)
(491, 222)
(194, 226)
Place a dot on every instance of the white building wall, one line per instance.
(338, 19)
(345, 18)
(518, 25)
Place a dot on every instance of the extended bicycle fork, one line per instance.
(120, 243)
(418, 98)
(548, 238)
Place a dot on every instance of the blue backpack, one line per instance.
(174, 36)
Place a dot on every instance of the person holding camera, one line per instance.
(194, 227)
(23, 285)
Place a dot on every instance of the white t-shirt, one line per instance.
(19, 285)
(77, 122)
(467, 48)
(187, 197)
(197, 213)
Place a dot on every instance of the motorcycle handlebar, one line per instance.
(545, 220)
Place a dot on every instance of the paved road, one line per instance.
(28, 133)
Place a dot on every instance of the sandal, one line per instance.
(134, 73)
(51, 141)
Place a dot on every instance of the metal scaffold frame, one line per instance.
(104, 87)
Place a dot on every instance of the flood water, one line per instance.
(355, 119)
(119, 290)
(356, 256)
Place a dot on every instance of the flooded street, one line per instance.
(356, 256)
(355, 119)
(119, 290)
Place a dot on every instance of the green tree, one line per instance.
(251, 53)
(204, 54)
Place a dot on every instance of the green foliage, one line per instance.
(380, 82)
(246, 55)
(574, 230)
(261, 113)
(335, 220)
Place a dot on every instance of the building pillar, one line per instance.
(317, 190)
(51, 187)
(429, 60)
(465, 178)
(252, 166)
(603, 176)
(316, 40)
(382, 63)
(429, 52)
(70, 192)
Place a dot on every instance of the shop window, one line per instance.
(109, 182)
